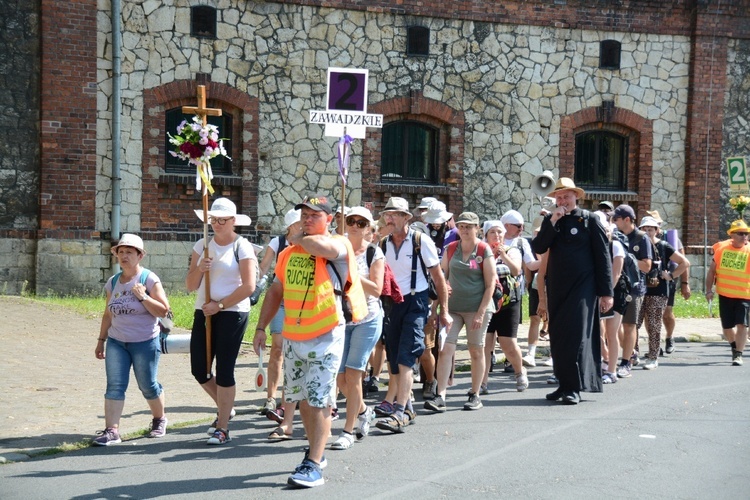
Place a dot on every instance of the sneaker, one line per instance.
(269, 406)
(529, 360)
(323, 461)
(474, 403)
(334, 414)
(344, 442)
(609, 378)
(634, 359)
(552, 380)
(158, 428)
(371, 386)
(384, 409)
(522, 381)
(623, 371)
(429, 389)
(650, 364)
(212, 428)
(437, 404)
(307, 475)
(362, 427)
(108, 436)
(670, 346)
(492, 361)
(483, 390)
(507, 367)
(547, 362)
(220, 436)
(736, 358)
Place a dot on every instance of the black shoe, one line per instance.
(571, 398)
(554, 396)
(670, 346)
(508, 367)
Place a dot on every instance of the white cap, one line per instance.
(291, 217)
(511, 217)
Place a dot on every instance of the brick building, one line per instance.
(640, 101)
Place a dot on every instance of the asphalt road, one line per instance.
(681, 431)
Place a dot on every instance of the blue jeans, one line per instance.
(143, 357)
(359, 342)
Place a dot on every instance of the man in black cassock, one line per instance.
(579, 287)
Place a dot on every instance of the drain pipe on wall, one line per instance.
(116, 125)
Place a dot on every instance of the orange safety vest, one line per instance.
(309, 296)
(732, 270)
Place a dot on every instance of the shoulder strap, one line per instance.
(370, 254)
(382, 243)
(451, 249)
(116, 279)
(282, 243)
(481, 250)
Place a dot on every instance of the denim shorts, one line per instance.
(310, 368)
(404, 337)
(359, 342)
(277, 322)
(143, 357)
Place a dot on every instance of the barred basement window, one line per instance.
(203, 21)
(601, 161)
(609, 54)
(417, 41)
(219, 165)
(410, 153)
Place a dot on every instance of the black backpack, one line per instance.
(630, 275)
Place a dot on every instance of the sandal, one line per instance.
(344, 442)
(278, 434)
(393, 424)
(276, 415)
(410, 416)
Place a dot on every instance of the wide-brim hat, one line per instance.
(398, 204)
(738, 226)
(655, 215)
(436, 213)
(426, 202)
(222, 208)
(129, 240)
(648, 221)
(567, 184)
(361, 212)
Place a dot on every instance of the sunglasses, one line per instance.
(742, 234)
(216, 220)
(519, 226)
(360, 223)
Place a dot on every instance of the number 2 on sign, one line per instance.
(737, 171)
(343, 103)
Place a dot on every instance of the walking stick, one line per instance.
(207, 277)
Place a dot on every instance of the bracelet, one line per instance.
(260, 330)
(102, 340)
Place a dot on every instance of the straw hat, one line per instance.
(567, 184)
(129, 240)
(398, 204)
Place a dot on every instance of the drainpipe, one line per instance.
(116, 124)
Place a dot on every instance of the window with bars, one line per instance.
(410, 153)
(601, 161)
(219, 165)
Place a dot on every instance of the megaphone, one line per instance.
(543, 184)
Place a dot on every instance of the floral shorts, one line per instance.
(311, 366)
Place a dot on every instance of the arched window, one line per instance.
(601, 161)
(410, 153)
(219, 165)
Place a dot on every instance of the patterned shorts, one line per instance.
(311, 366)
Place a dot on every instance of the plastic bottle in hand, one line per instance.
(259, 287)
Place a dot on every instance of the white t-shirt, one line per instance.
(373, 303)
(400, 262)
(225, 272)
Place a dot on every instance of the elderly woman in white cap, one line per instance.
(274, 248)
(130, 329)
(657, 288)
(362, 336)
(232, 269)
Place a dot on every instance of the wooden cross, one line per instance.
(201, 110)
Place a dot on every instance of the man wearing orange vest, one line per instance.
(730, 270)
(308, 275)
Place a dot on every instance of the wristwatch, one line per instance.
(221, 305)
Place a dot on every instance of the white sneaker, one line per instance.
(548, 362)
(529, 360)
(650, 364)
(362, 427)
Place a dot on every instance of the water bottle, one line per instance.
(259, 287)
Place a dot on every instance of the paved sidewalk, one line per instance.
(55, 386)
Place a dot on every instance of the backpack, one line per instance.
(630, 275)
(167, 322)
(507, 287)
(417, 253)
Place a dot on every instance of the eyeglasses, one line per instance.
(360, 223)
(519, 226)
(216, 220)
